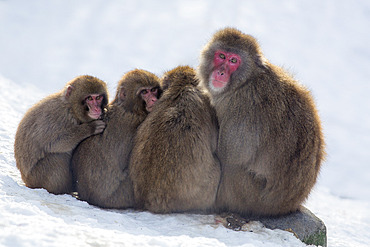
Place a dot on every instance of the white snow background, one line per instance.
(44, 44)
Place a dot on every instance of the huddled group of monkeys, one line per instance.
(238, 134)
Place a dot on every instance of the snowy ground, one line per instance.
(44, 44)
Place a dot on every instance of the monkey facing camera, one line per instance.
(100, 163)
(270, 141)
(51, 129)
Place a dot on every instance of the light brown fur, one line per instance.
(49, 132)
(100, 163)
(173, 166)
(270, 141)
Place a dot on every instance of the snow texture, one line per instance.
(44, 44)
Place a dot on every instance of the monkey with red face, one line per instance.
(270, 140)
(50, 130)
(100, 163)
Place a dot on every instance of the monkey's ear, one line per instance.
(165, 83)
(67, 91)
(122, 94)
(261, 61)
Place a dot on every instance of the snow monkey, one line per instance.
(173, 165)
(100, 163)
(50, 131)
(270, 140)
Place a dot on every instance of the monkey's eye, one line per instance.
(98, 97)
(145, 91)
(222, 56)
(154, 89)
(89, 98)
(233, 60)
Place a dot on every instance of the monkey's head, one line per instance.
(229, 59)
(87, 96)
(138, 91)
(179, 76)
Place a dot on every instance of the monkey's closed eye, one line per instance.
(222, 56)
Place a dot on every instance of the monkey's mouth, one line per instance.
(218, 84)
(94, 115)
(149, 108)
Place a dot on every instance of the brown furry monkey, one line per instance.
(50, 130)
(270, 141)
(173, 165)
(100, 163)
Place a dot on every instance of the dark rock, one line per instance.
(303, 223)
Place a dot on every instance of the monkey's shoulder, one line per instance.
(191, 96)
(120, 123)
(281, 80)
(50, 110)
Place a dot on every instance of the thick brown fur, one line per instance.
(100, 163)
(51, 129)
(270, 141)
(173, 165)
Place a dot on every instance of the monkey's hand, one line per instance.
(65, 142)
(97, 126)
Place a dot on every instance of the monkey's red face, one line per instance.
(225, 63)
(150, 96)
(94, 102)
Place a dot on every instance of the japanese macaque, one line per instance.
(51, 129)
(173, 165)
(100, 163)
(270, 140)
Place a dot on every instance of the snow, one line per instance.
(44, 44)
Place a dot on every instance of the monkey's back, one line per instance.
(172, 167)
(40, 126)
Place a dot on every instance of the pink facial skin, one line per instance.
(94, 102)
(150, 96)
(225, 63)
